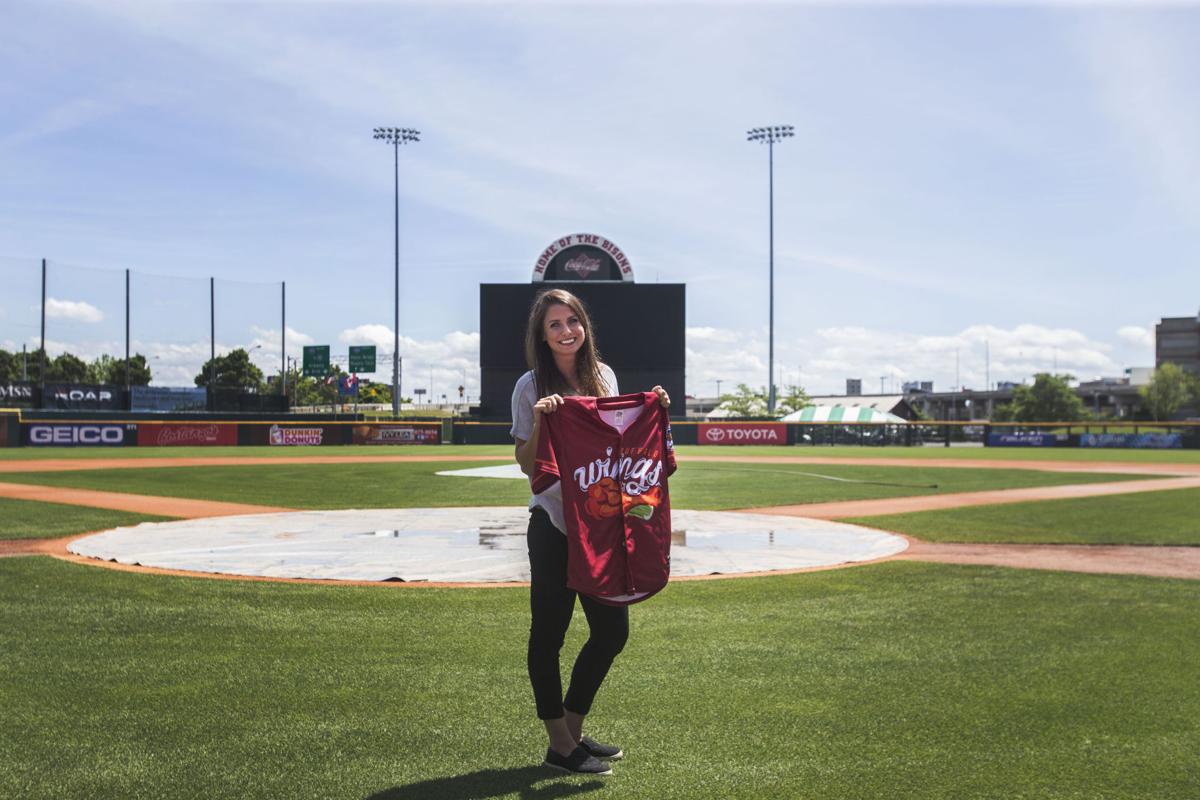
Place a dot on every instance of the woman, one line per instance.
(561, 352)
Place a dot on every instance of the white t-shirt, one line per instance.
(523, 399)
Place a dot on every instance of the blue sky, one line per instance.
(1024, 178)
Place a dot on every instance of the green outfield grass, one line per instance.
(34, 519)
(506, 451)
(697, 485)
(29, 519)
(897, 680)
(1159, 518)
(85, 453)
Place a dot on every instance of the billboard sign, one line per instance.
(1028, 439)
(398, 434)
(582, 257)
(79, 434)
(316, 360)
(1139, 441)
(741, 433)
(168, 398)
(17, 394)
(84, 397)
(207, 434)
(362, 359)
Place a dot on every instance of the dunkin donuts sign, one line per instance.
(291, 437)
(187, 435)
(741, 433)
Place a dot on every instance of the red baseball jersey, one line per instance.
(613, 456)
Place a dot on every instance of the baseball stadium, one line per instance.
(213, 593)
(331, 453)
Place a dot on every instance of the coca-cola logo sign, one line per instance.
(743, 433)
(583, 265)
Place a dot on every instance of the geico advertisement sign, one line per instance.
(73, 435)
(743, 433)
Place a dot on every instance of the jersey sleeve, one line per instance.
(545, 463)
(668, 445)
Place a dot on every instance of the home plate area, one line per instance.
(461, 545)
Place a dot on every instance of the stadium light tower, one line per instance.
(396, 137)
(770, 135)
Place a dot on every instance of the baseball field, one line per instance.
(1037, 640)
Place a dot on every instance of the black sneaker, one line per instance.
(578, 763)
(607, 752)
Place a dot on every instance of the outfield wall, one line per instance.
(45, 429)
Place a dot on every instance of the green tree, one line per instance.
(234, 371)
(792, 398)
(67, 368)
(10, 366)
(374, 393)
(1049, 399)
(745, 402)
(99, 369)
(1170, 389)
(107, 369)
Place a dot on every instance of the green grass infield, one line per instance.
(1154, 518)
(697, 485)
(29, 519)
(896, 680)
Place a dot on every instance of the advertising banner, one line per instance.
(1027, 439)
(208, 434)
(84, 397)
(741, 433)
(79, 434)
(169, 398)
(1140, 441)
(292, 435)
(398, 434)
(17, 394)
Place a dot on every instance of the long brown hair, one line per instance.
(541, 360)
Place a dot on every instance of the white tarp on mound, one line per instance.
(461, 544)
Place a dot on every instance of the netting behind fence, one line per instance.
(169, 318)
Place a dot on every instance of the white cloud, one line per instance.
(76, 310)
(822, 363)
(378, 335)
(445, 363)
(1137, 336)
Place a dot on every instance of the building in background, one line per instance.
(1177, 339)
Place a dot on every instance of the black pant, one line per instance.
(551, 604)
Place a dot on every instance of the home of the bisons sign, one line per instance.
(582, 257)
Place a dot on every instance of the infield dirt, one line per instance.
(1177, 562)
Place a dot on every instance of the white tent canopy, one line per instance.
(839, 413)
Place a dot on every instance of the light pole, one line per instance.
(396, 137)
(770, 135)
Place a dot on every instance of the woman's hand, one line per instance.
(548, 404)
(664, 399)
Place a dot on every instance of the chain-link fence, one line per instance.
(174, 323)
